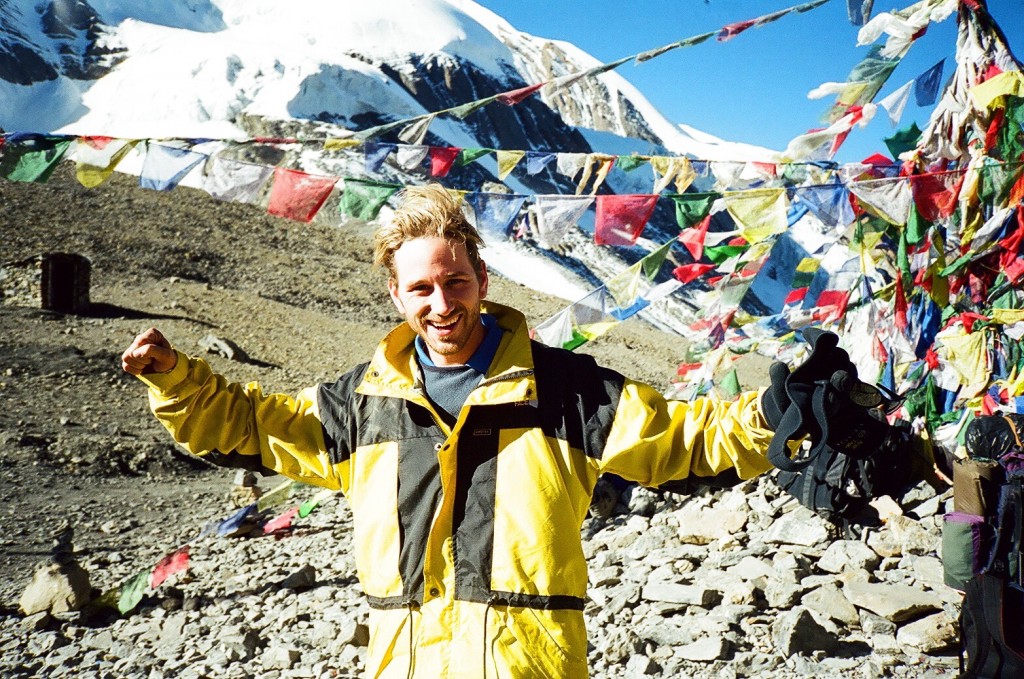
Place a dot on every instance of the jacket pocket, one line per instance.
(539, 644)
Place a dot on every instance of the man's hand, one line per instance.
(150, 352)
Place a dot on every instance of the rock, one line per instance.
(797, 528)
(36, 622)
(669, 592)
(932, 634)
(304, 578)
(278, 658)
(641, 666)
(912, 536)
(831, 604)
(703, 526)
(848, 554)
(796, 631)
(619, 644)
(893, 602)
(56, 587)
(704, 649)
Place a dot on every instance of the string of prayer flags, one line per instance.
(363, 198)
(298, 195)
(165, 166)
(621, 218)
(32, 157)
(555, 215)
(495, 213)
(234, 180)
(96, 158)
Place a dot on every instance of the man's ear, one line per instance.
(393, 291)
(482, 276)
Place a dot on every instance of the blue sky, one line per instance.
(754, 87)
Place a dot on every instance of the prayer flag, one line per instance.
(375, 155)
(507, 160)
(903, 140)
(692, 208)
(467, 156)
(298, 195)
(555, 215)
(463, 110)
(132, 591)
(691, 272)
(363, 198)
(32, 158)
(235, 524)
(604, 165)
(671, 169)
(730, 31)
(693, 238)
(416, 131)
(307, 507)
(556, 331)
(569, 164)
(175, 562)
(889, 199)
(234, 180)
(410, 156)
(859, 11)
(340, 143)
(621, 218)
(495, 212)
(441, 160)
(631, 162)
(760, 213)
(281, 522)
(513, 97)
(537, 161)
(730, 385)
(96, 158)
(895, 102)
(935, 194)
(926, 85)
(165, 166)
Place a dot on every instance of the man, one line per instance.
(468, 453)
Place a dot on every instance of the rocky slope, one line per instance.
(740, 582)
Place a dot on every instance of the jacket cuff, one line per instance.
(166, 381)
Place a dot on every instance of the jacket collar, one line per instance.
(393, 370)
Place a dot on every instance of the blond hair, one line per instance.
(426, 211)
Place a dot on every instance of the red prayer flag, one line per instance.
(175, 562)
(935, 195)
(838, 299)
(796, 295)
(281, 522)
(621, 219)
(441, 160)
(513, 97)
(900, 305)
(693, 237)
(730, 31)
(690, 272)
(297, 195)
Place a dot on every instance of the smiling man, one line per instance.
(467, 451)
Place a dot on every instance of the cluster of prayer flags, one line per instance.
(129, 593)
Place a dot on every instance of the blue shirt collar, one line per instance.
(481, 359)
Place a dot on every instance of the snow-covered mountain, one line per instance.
(228, 69)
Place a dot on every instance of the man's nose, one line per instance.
(440, 302)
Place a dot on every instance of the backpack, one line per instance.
(982, 550)
(838, 486)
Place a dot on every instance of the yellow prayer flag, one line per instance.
(96, 158)
(507, 160)
(760, 213)
(339, 144)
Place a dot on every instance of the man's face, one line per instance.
(439, 293)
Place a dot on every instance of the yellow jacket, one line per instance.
(467, 538)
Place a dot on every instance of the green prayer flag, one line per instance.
(132, 590)
(720, 253)
(363, 198)
(630, 162)
(464, 110)
(33, 161)
(692, 207)
(903, 140)
(996, 181)
(468, 155)
(730, 384)
(651, 264)
(960, 263)
(917, 226)
(307, 507)
(1010, 140)
(903, 261)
